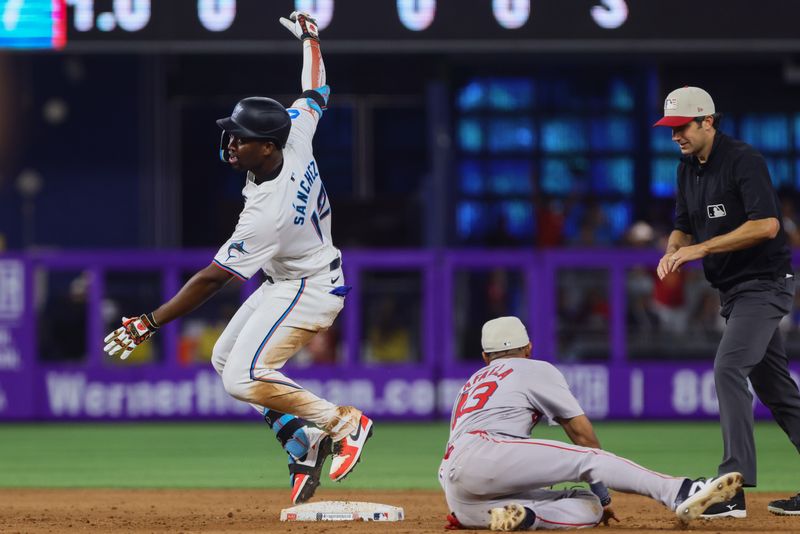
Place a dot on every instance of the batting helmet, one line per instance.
(258, 117)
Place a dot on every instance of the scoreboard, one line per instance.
(406, 25)
(33, 24)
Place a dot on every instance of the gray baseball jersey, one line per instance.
(510, 396)
(490, 461)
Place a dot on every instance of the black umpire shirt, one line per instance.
(715, 198)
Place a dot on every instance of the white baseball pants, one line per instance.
(272, 325)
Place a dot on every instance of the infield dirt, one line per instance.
(189, 511)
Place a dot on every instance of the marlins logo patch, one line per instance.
(235, 250)
(716, 211)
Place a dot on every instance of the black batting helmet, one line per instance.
(258, 117)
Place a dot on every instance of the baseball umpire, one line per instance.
(285, 231)
(727, 213)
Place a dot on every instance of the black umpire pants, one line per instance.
(752, 347)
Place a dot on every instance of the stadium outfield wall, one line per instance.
(99, 388)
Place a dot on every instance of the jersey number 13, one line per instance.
(474, 399)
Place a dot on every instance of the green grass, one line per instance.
(244, 455)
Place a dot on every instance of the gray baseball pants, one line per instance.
(486, 470)
(752, 347)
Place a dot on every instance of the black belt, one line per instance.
(335, 264)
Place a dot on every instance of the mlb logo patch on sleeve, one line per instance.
(716, 211)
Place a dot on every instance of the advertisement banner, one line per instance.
(665, 391)
(197, 393)
(16, 367)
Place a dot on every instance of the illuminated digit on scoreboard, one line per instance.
(321, 10)
(11, 14)
(216, 15)
(511, 14)
(84, 14)
(416, 15)
(610, 14)
(132, 15)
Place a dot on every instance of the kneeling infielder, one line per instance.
(494, 475)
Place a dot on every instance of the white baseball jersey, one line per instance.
(285, 226)
(510, 395)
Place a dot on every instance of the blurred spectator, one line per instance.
(497, 294)
(388, 340)
(598, 310)
(594, 229)
(549, 222)
(198, 339)
(669, 303)
(640, 235)
(322, 349)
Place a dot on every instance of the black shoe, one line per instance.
(733, 508)
(790, 506)
(305, 472)
(696, 497)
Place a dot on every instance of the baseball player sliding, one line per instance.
(284, 230)
(494, 475)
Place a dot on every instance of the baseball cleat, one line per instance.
(347, 451)
(790, 506)
(509, 517)
(735, 507)
(305, 471)
(702, 495)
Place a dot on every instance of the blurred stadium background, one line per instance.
(483, 158)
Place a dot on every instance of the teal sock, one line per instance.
(290, 431)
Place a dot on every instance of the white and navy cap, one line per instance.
(684, 105)
(503, 333)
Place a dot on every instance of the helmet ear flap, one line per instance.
(224, 139)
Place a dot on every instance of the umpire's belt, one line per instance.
(335, 264)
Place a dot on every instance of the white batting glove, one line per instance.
(302, 25)
(132, 333)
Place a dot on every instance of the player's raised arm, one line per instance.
(313, 80)
(305, 28)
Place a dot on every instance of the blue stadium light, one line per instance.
(33, 24)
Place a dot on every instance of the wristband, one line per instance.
(601, 491)
(152, 320)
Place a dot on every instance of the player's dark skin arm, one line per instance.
(200, 287)
(580, 431)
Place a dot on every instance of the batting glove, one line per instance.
(301, 25)
(133, 332)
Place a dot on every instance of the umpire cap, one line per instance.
(258, 117)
